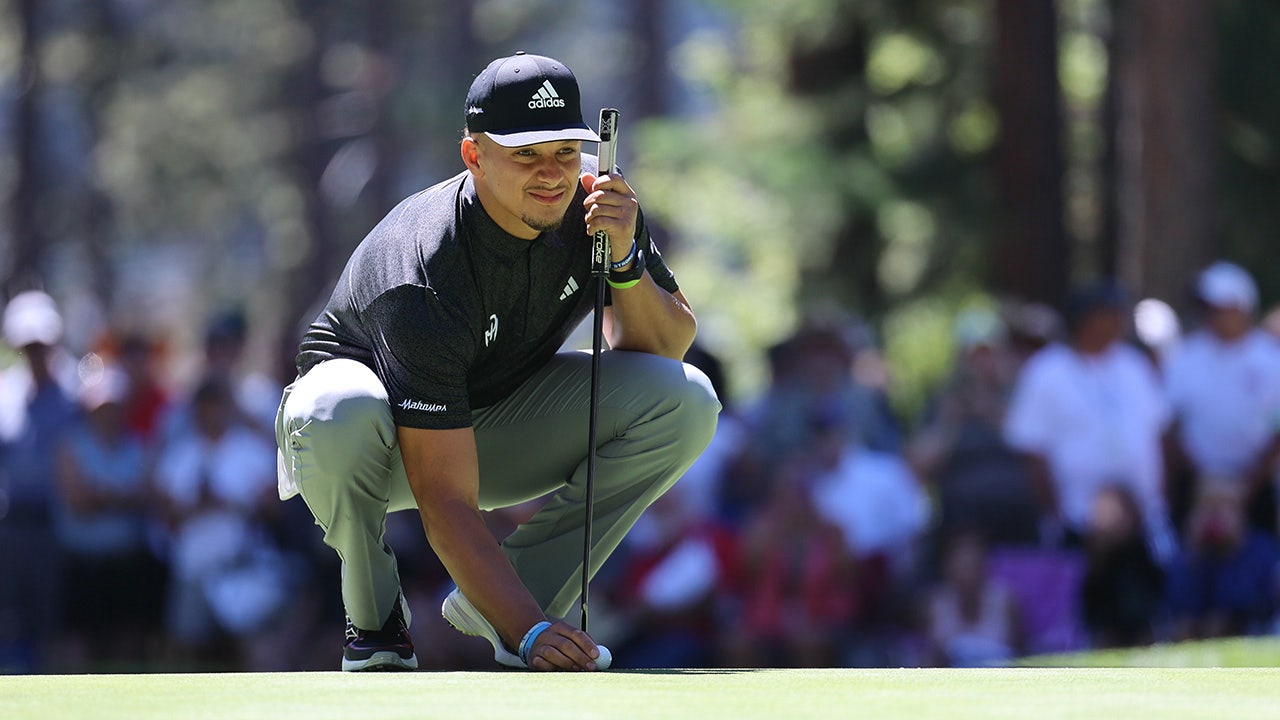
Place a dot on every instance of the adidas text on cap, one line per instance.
(527, 99)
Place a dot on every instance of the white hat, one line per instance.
(32, 317)
(1226, 285)
(978, 328)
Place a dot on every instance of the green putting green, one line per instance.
(1128, 693)
(1232, 652)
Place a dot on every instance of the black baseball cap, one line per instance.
(525, 99)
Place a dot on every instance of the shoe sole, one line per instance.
(385, 660)
(464, 618)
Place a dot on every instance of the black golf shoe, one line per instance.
(389, 648)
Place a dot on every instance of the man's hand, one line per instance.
(563, 647)
(611, 207)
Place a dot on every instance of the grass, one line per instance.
(1088, 690)
(1230, 653)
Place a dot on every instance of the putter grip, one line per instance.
(608, 162)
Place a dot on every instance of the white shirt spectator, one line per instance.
(875, 500)
(1227, 396)
(1096, 420)
(228, 478)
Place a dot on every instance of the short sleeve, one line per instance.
(1027, 427)
(654, 264)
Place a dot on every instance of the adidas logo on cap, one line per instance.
(526, 100)
(546, 97)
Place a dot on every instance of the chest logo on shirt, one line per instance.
(492, 333)
(570, 288)
(422, 406)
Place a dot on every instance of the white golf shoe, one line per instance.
(466, 619)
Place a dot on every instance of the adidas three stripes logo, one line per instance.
(546, 97)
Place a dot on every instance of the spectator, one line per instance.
(798, 583)
(1224, 580)
(227, 577)
(770, 433)
(147, 402)
(981, 482)
(1088, 414)
(821, 368)
(679, 568)
(1270, 323)
(256, 397)
(1223, 382)
(840, 371)
(881, 512)
(114, 584)
(871, 496)
(972, 620)
(1032, 327)
(1122, 595)
(35, 410)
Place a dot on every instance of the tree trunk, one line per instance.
(29, 239)
(1166, 145)
(649, 75)
(381, 34)
(98, 220)
(308, 277)
(1032, 255)
(1109, 166)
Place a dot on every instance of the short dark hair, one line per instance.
(1084, 300)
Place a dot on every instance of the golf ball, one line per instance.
(605, 660)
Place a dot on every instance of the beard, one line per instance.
(543, 224)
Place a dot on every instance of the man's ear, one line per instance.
(470, 150)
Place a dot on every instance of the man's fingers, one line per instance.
(605, 182)
(552, 659)
(563, 647)
(610, 205)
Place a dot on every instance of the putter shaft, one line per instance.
(600, 270)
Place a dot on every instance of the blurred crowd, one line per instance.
(1096, 476)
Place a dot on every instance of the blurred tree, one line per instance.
(321, 119)
(896, 158)
(1249, 138)
(846, 164)
(97, 227)
(893, 158)
(649, 66)
(352, 107)
(1032, 256)
(192, 128)
(1167, 154)
(28, 235)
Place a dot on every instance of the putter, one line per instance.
(600, 270)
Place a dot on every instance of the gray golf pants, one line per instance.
(339, 449)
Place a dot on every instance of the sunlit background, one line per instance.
(896, 161)
(874, 206)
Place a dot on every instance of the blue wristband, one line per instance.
(630, 258)
(526, 645)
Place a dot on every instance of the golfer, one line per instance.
(433, 380)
